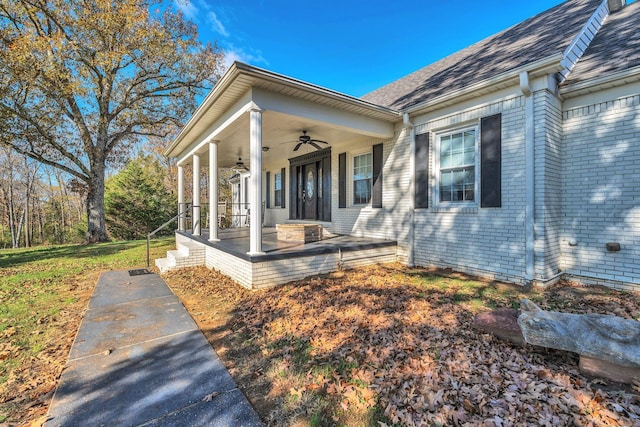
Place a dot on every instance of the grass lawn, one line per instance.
(43, 293)
(389, 345)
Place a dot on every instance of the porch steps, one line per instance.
(187, 255)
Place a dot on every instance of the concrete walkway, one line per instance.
(140, 360)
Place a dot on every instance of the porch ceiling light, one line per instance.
(265, 149)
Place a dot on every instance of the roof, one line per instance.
(615, 48)
(240, 78)
(544, 35)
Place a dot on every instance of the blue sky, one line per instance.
(353, 47)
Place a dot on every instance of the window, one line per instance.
(457, 166)
(362, 177)
(277, 192)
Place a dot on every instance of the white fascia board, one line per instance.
(603, 94)
(501, 81)
(270, 76)
(369, 126)
(611, 80)
(215, 93)
(241, 107)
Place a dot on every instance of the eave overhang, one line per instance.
(240, 78)
(607, 81)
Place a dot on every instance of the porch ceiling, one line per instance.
(279, 133)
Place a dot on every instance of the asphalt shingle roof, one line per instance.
(534, 39)
(616, 47)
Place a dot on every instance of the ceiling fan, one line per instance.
(240, 165)
(306, 139)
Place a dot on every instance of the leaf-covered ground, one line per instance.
(388, 345)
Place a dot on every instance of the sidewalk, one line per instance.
(140, 360)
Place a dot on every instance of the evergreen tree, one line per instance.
(136, 199)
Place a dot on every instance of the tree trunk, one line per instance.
(27, 197)
(12, 223)
(96, 229)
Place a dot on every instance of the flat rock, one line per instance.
(608, 370)
(501, 322)
(597, 336)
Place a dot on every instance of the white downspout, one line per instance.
(412, 186)
(529, 143)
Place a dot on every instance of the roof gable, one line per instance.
(532, 40)
(615, 48)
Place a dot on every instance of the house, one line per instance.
(516, 158)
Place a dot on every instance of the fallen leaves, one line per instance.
(401, 341)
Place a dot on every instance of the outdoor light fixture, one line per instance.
(265, 149)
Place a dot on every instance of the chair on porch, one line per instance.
(222, 212)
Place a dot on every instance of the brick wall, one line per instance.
(389, 222)
(601, 192)
(548, 199)
(485, 242)
(269, 273)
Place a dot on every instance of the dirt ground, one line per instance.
(388, 345)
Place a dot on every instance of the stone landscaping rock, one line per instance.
(610, 338)
(502, 322)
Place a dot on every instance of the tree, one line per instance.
(137, 200)
(83, 81)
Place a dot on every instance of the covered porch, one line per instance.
(288, 142)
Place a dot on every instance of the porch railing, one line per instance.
(182, 215)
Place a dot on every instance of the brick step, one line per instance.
(164, 265)
(187, 255)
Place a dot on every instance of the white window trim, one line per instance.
(350, 187)
(274, 190)
(474, 203)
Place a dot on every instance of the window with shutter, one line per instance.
(457, 169)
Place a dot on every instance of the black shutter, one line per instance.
(268, 190)
(422, 171)
(283, 187)
(376, 193)
(342, 180)
(491, 162)
(326, 189)
(293, 197)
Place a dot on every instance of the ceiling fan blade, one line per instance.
(313, 144)
(317, 140)
(297, 146)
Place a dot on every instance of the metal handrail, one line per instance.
(163, 226)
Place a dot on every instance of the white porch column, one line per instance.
(197, 229)
(255, 183)
(213, 191)
(181, 205)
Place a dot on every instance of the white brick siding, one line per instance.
(485, 242)
(389, 222)
(548, 167)
(601, 192)
(264, 274)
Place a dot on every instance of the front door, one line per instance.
(310, 191)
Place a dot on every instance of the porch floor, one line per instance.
(235, 241)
